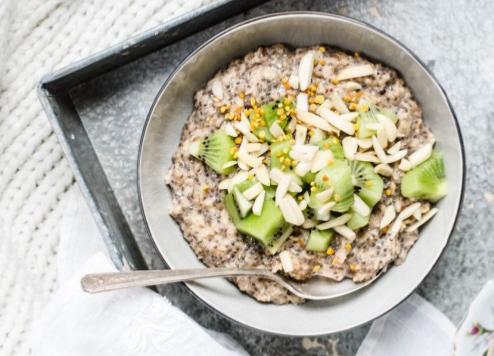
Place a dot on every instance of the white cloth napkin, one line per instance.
(133, 322)
(141, 322)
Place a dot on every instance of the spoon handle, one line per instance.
(102, 282)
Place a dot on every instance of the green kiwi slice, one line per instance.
(364, 119)
(215, 150)
(369, 184)
(279, 151)
(357, 221)
(265, 227)
(319, 240)
(338, 176)
(332, 143)
(426, 181)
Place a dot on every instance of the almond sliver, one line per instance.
(338, 103)
(366, 157)
(426, 217)
(300, 134)
(286, 261)
(302, 102)
(388, 216)
(293, 81)
(282, 188)
(395, 148)
(291, 211)
(258, 203)
(346, 232)
(253, 191)
(336, 121)
(396, 157)
(420, 155)
(217, 89)
(379, 149)
(321, 160)
(340, 220)
(314, 120)
(230, 130)
(350, 147)
(305, 69)
(276, 130)
(355, 71)
(262, 175)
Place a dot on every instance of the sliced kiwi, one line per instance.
(427, 180)
(279, 238)
(319, 240)
(309, 177)
(265, 227)
(369, 184)
(332, 143)
(357, 221)
(364, 119)
(280, 150)
(215, 150)
(270, 115)
(338, 176)
(389, 113)
(232, 209)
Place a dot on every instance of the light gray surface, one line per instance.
(455, 40)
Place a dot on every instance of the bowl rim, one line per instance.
(343, 18)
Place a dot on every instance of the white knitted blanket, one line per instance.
(37, 36)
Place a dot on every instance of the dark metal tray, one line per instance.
(98, 107)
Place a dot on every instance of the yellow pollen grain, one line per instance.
(322, 61)
(312, 107)
(330, 251)
(335, 81)
(241, 95)
(262, 134)
(348, 246)
(316, 268)
(388, 192)
(319, 99)
(354, 267)
(322, 49)
(205, 188)
(385, 229)
(253, 102)
(300, 197)
(352, 106)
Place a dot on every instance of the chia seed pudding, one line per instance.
(370, 114)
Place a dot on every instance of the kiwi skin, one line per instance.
(427, 181)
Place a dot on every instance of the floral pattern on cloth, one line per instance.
(484, 338)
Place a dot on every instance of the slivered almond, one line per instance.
(276, 175)
(426, 217)
(325, 195)
(325, 104)
(224, 184)
(346, 232)
(364, 143)
(258, 203)
(252, 147)
(304, 153)
(291, 211)
(305, 69)
(249, 160)
(240, 177)
(405, 165)
(338, 103)
(355, 71)
(293, 81)
(244, 127)
(396, 157)
(276, 130)
(351, 116)
(309, 224)
(418, 214)
(395, 148)
(302, 102)
(408, 211)
(302, 168)
(262, 175)
(291, 125)
(389, 127)
(420, 155)
(367, 157)
(243, 166)
(300, 134)
(382, 137)
(282, 188)
(217, 89)
(388, 216)
(336, 121)
(314, 120)
(303, 205)
(325, 208)
(360, 207)
(352, 86)
(286, 261)
(229, 130)
(350, 147)
(379, 149)
(253, 191)
(340, 220)
(383, 170)
(321, 160)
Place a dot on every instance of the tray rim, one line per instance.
(405, 49)
(53, 91)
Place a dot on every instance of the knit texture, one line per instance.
(36, 37)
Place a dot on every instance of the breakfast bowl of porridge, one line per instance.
(310, 145)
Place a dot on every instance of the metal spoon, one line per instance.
(316, 289)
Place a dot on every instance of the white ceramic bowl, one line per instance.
(174, 104)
